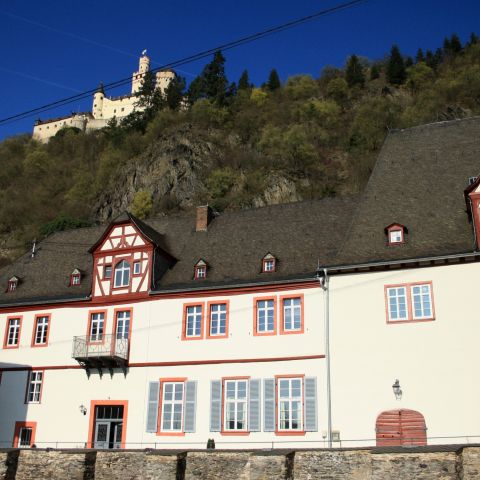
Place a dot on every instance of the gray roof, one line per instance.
(419, 181)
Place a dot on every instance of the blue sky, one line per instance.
(56, 48)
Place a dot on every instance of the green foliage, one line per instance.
(175, 92)
(338, 90)
(142, 204)
(60, 223)
(244, 82)
(220, 181)
(419, 77)
(354, 72)
(396, 73)
(301, 87)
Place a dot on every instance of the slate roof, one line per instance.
(418, 181)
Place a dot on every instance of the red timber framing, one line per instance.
(122, 242)
(474, 197)
(403, 427)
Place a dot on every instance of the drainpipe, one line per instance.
(323, 279)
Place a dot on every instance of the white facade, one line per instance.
(104, 108)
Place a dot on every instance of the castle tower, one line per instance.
(163, 79)
(99, 95)
(143, 68)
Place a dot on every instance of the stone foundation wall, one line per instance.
(455, 462)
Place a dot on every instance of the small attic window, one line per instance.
(472, 180)
(269, 263)
(200, 270)
(75, 277)
(395, 234)
(12, 284)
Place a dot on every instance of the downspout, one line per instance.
(323, 278)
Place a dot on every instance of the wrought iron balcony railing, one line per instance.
(106, 351)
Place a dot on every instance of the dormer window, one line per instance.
(200, 270)
(122, 274)
(12, 284)
(75, 277)
(269, 263)
(395, 234)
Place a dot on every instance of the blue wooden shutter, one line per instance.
(254, 406)
(190, 403)
(311, 404)
(269, 405)
(152, 406)
(216, 406)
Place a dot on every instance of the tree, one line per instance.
(244, 82)
(396, 73)
(408, 62)
(338, 90)
(273, 82)
(430, 59)
(419, 57)
(354, 72)
(142, 204)
(473, 39)
(375, 72)
(175, 93)
(455, 44)
(149, 97)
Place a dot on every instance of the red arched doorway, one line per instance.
(401, 428)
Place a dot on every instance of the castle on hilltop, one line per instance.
(104, 108)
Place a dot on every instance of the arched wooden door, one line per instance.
(401, 428)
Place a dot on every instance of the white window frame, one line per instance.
(266, 309)
(137, 267)
(20, 444)
(395, 236)
(236, 403)
(107, 272)
(41, 329)
(292, 309)
(123, 317)
(172, 402)
(75, 279)
(269, 265)
(34, 390)
(96, 319)
(219, 315)
(420, 295)
(397, 296)
(13, 332)
(290, 400)
(122, 272)
(194, 317)
(201, 271)
(12, 285)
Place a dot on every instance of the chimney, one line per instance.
(204, 216)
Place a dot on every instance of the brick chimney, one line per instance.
(204, 216)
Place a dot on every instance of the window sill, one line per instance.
(232, 433)
(290, 432)
(10, 347)
(170, 434)
(214, 337)
(419, 320)
(192, 338)
(291, 332)
(39, 345)
(264, 334)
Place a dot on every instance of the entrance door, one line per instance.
(102, 434)
(401, 428)
(108, 426)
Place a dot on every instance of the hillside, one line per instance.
(233, 145)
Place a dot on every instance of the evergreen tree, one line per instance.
(273, 82)
(396, 73)
(408, 62)
(473, 39)
(244, 82)
(419, 57)
(175, 93)
(455, 44)
(196, 89)
(447, 46)
(374, 72)
(354, 72)
(149, 97)
(438, 57)
(430, 59)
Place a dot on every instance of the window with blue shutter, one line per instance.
(254, 406)
(215, 406)
(268, 405)
(311, 422)
(152, 407)
(190, 406)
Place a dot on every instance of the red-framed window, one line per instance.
(409, 302)
(193, 321)
(97, 326)
(290, 401)
(41, 330)
(265, 315)
(24, 434)
(12, 285)
(218, 313)
(172, 406)
(291, 314)
(75, 279)
(107, 272)
(13, 330)
(34, 388)
(200, 271)
(395, 234)
(137, 267)
(235, 408)
(269, 263)
(123, 323)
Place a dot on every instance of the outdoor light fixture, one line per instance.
(397, 391)
(83, 409)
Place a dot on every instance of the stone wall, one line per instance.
(455, 462)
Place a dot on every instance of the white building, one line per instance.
(168, 333)
(104, 108)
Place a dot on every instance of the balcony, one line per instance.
(109, 352)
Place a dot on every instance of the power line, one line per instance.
(183, 61)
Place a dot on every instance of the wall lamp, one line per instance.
(397, 391)
(83, 409)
